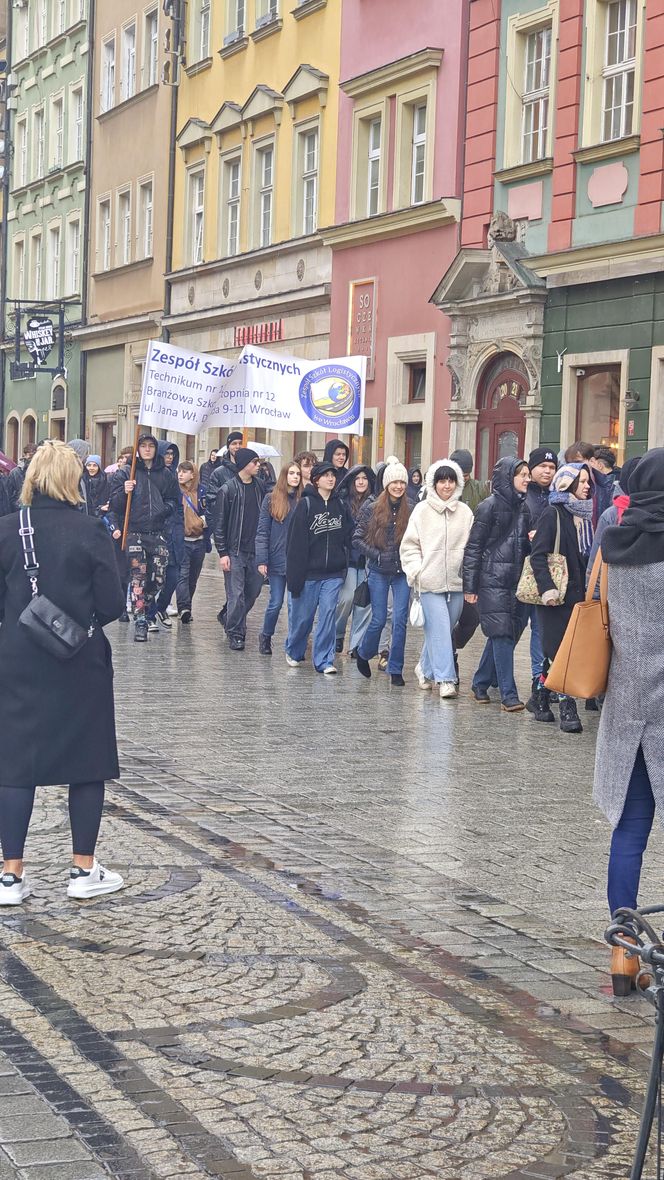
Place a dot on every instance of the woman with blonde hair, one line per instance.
(56, 714)
(271, 538)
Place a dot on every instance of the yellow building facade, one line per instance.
(255, 179)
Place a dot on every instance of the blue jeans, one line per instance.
(496, 667)
(630, 838)
(275, 603)
(359, 615)
(379, 589)
(536, 653)
(441, 615)
(321, 596)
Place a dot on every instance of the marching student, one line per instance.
(273, 524)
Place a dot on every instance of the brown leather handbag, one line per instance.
(581, 666)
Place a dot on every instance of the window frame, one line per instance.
(193, 233)
(54, 260)
(76, 142)
(73, 257)
(236, 28)
(228, 160)
(418, 141)
(519, 27)
(270, 14)
(536, 98)
(56, 155)
(39, 141)
(363, 117)
(22, 152)
(260, 190)
(595, 35)
(123, 226)
(18, 271)
(143, 237)
(108, 75)
(407, 102)
(620, 70)
(104, 233)
(302, 177)
(36, 276)
(150, 76)
(128, 62)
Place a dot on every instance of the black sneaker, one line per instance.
(538, 704)
(363, 666)
(265, 645)
(591, 705)
(481, 696)
(236, 643)
(221, 617)
(185, 616)
(124, 617)
(339, 646)
(397, 679)
(569, 718)
(141, 631)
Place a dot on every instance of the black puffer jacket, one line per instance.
(155, 500)
(386, 560)
(495, 553)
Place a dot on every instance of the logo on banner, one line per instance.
(39, 337)
(331, 396)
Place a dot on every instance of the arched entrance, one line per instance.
(501, 426)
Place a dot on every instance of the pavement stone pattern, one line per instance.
(361, 938)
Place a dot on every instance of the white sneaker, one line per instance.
(13, 889)
(163, 620)
(171, 610)
(448, 689)
(292, 663)
(421, 678)
(91, 882)
(330, 670)
(153, 626)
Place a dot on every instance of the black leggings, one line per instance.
(86, 802)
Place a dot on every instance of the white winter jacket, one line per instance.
(433, 544)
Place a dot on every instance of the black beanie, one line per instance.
(243, 457)
(541, 455)
(464, 459)
(233, 437)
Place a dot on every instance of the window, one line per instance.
(57, 133)
(36, 266)
(309, 152)
(73, 256)
(535, 100)
(146, 219)
(619, 69)
(151, 48)
(265, 173)
(232, 173)
(204, 30)
(373, 167)
(129, 61)
(21, 173)
(77, 124)
(21, 17)
(598, 403)
(108, 75)
(60, 16)
(235, 21)
(54, 262)
(417, 383)
(418, 164)
(123, 251)
(42, 22)
(266, 11)
(104, 235)
(19, 269)
(413, 445)
(39, 143)
(196, 215)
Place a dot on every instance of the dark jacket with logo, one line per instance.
(319, 540)
(230, 513)
(495, 553)
(156, 497)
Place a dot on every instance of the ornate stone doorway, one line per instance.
(501, 425)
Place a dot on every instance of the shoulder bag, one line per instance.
(581, 666)
(47, 625)
(527, 590)
(416, 608)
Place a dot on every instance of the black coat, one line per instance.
(97, 492)
(223, 473)
(156, 499)
(230, 512)
(57, 720)
(537, 501)
(495, 553)
(553, 620)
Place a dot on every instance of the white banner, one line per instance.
(188, 392)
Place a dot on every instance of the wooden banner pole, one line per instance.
(132, 475)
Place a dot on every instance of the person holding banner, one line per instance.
(155, 499)
(317, 555)
(238, 509)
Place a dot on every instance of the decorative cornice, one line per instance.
(119, 107)
(608, 150)
(394, 71)
(233, 47)
(198, 67)
(306, 7)
(525, 171)
(597, 263)
(267, 29)
(395, 224)
(114, 271)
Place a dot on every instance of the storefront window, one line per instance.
(598, 404)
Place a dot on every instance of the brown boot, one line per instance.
(624, 970)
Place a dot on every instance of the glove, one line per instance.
(551, 597)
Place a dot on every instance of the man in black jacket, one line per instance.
(317, 554)
(156, 497)
(238, 506)
(224, 471)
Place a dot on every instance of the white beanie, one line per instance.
(394, 470)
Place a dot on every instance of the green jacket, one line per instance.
(474, 492)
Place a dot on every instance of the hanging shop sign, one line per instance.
(39, 330)
(362, 322)
(39, 338)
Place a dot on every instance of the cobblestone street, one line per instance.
(361, 938)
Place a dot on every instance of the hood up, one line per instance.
(433, 499)
(502, 481)
(346, 484)
(163, 446)
(158, 460)
(331, 447)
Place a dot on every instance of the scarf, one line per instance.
(639, 538)
(580, 510)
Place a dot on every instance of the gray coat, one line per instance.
(633, 712)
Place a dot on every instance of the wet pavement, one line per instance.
(361, 938)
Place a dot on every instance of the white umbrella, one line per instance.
(264, 450)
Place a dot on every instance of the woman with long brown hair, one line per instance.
(271, 538)
(355, 489)
(378, 535)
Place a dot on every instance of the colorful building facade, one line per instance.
(49, 62)
(398, 191)
(555, 297)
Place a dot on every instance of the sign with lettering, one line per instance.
(39, 338)
(259, 333)
(362, 322)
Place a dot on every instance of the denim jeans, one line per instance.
(441, 615)
(630, 838)
(275, 603)
(536, 653)
(321, 596)
(359, 615)
(496, 667)
(379, 589)
(190, 572)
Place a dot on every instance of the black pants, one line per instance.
(243, 585)
(86, 802)
(190, 570)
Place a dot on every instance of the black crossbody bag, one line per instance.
(50, 627)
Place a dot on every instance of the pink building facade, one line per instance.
(397, 214)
